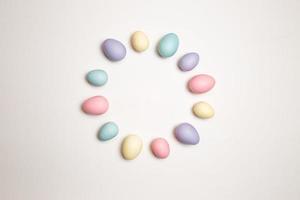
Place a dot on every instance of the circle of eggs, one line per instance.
(185, 133)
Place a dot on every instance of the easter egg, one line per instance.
(168, 45)
(139, 41)
(201, 83)
(108, 131)
(113, 49)
(160, 148)
(188, 61)
(96, 105)
(97, 77)
(131, 147)
(186, 134)
(203, 110)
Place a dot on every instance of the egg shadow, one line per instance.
(150, 149)
(101, 48)
(81, 108)
(129, 43)
(173, 133)
(98, 134)
(177, 65)
(120, 150)
(187, 88)
(157, 51)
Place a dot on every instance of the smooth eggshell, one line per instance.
(97, 77)
(160, 148)
(203, 110)
(201, 83)
(186, 134)
(96, 105)
(188, 61)
(139, 41)
(113, 49)
(131, 147)
(108, 131)
(168, 45)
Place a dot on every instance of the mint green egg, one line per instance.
(168, 45)
(97, 77)
(108, 131)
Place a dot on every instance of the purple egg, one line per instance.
(113, 49)
(188, 61)
(186, 134)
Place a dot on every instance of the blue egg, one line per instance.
(97, 77)
(168, 45)
(108, 131)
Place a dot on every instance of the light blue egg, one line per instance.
(97, 77)
(168, 45)
(108, 131)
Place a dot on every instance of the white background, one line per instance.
(249, 150)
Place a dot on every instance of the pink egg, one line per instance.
(96, 105)
(160, 148)
(201, 83)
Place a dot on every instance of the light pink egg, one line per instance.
(160, 148)
(201, 83)
(96, 105)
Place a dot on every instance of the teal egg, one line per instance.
(108, 131)
(168, 45)
(97, 77)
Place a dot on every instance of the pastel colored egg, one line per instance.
(113, 49)
(108, 131)
(203, 110)
(201, 83)
(168, 45)
(160, 148)
(139, 41)
(96, 105)
(97, 77)
(188, 61)
(131, 147)
(186, 134)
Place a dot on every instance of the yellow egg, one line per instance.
(203, 110)
(139, 41)
(131, 147)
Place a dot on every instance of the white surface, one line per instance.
(249, 150)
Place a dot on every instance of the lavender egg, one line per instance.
(188, 61)
(113, 49)
(186, 134)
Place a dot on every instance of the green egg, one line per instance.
(168, 45)
(97, 77)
